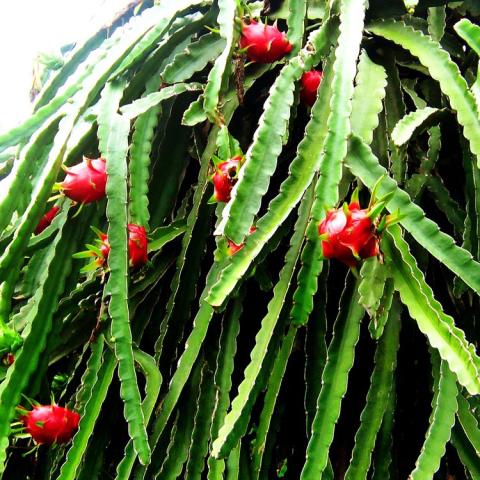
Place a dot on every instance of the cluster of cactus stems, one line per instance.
(239, 313)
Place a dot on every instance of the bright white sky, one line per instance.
(28, 27)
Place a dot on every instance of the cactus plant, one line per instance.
(239, 350)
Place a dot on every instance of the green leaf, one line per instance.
(364, 165)
(182, 373)
(315, 350)
(297, 10)
(373, 275)
(340, 357)
(163, 16)
(32, 125)
(113, 136)
(436, 22)
(301, 173)
(273, 388)
(312, 147)
(38, 198)
(101, 40)
(471, 232)
(230, 31)
(334, 151)
(236, 419)
(194, 114)
(170, 162)
(194, 58)
(139, 164)
(468, 456)
(415, 122)
(395, 109)
(379, 319)
(381, 386)
(204, 313)
(90, 375)
(468, 422)
(228, 146)
(144, 104)
(39, 325)
(371, 81)
(201, 427)
(163, 235)
(153, 379)
(439, 327)
(442, 69)
(223, 380)
(177, 452)
(197, 210)
(408, 85)
(98, 392)
(383, 450)
(262, 155)
(441, 423)
(191, 253)
(446, 203)
(416, 183)
(470, 33)
(23, 168)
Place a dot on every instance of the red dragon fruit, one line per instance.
(46, 220)
(137, 246)
(8, 359)
(233, 247)
(348, 234)
(310, 82)
(49, 424)
(86, 181)
(264, 43)
(224, 178)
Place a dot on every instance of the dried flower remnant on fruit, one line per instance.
(264, 43)
(310, 82)
(137, 245)
(348, 234)
(233, 247)
(50, 424)
(224, 178)
(86, 181)
(46, 220)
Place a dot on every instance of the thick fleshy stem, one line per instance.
(10, 340)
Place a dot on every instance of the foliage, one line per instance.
(190, 366)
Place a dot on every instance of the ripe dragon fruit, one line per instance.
(49, 424)
(264, 43)
(137, 246)
(224, 178)
(310, 82)
(46, 220)
(233, 247)
(86, 181)
(8, 359)
(348, 234)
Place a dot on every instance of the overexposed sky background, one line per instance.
(29, 27)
